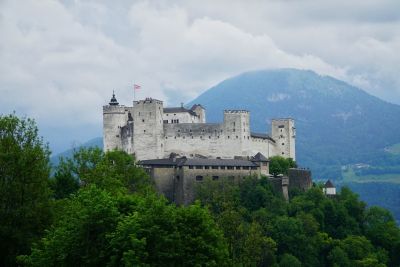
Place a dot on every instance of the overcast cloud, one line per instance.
(60, 60)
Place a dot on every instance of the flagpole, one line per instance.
(134, 93)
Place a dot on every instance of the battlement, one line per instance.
(236, 111)
(148, 100)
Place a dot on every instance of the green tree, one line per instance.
(79, 236)
(280, 165)
(288, 260)
(25, 207)
(114, 171)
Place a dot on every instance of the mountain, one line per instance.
(337, 124)
(95, 142)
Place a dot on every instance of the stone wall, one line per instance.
(300, 178)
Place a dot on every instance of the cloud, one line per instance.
(61, 60)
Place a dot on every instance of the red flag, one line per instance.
(136, 87)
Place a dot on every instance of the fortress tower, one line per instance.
(114, 117)
(284, 134)
(237, 131)
(148, 134)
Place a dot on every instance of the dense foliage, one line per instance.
(310, 230)
(280, 165)
(103, 211)
(24, 192)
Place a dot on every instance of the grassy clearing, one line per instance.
(351, 176)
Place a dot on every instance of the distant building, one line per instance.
(329, 189)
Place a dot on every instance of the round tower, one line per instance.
(114, 117)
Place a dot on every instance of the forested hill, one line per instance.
(337, 124)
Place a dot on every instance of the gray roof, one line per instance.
(329, 184)
(179, 110)
(261, 135)
(197, 162)
(195, 106)
(259, 157)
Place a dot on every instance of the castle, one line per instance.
(178, 148)
(148, 130)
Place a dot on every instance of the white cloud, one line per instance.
(60, 60)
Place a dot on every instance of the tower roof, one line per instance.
(259, 157)
(329, 184)
(113, 101)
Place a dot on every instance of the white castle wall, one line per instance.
(182, 117)
(148, 137)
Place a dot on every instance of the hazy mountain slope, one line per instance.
(336, 123)
(95, 142)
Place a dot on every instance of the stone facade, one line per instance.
(176, 178)
(147, 130)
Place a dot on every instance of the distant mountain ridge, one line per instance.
(337, 124)
(95, 142)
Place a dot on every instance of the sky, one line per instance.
(61, 60)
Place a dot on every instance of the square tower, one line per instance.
(284, 134)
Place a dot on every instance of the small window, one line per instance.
(192, 136)
(179, 131)
(142, 120)
(215, 177)
(237, 167)
(209, 137)
(177, 177)
(283, 144)
(237, 137)
(206, 167)
(283, 153)
(144, 131)
(222, 167)
(245, 167)
(214, 167)
(234, 130)
(229, 137)
(199, 178)
(150, 113)
(254, 168)
(230, 167)
(199, 167)
(165, 121)
(190, 167)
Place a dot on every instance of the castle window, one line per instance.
(179, 131)
(214, 167)
(209, 137)
(117, 135)
(174, 137)
(234, 130)
(199, 167)
(166, 137)
(139, 113)
(199, 178)
(229, 137)
(144, 131)
(206, 167)
(150, 113)
(237, 167)
(142, 120)
(283, 153)
(283, 144)
(234, 123)
(215, 177)
(202, 130)
(177, 177)
(254, 168)
(237, 137)
(165, 121)
(218, 136)
(184, 137)
(192, 136)
(190, 130)
(190, 167)
(230, 167)
(245, 167)
(174, 114)
(167, 114)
